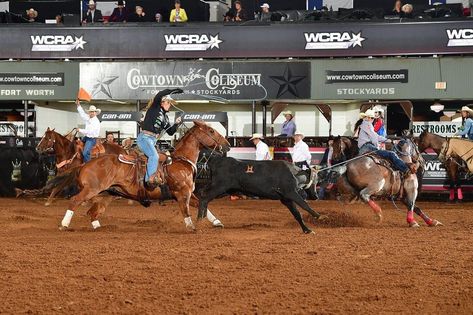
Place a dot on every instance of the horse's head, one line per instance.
(47, 141)
(423, 142)
(409, 152)
(209, 138)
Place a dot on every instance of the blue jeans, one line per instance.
(88, 145)
(147, 144)
(390, 155)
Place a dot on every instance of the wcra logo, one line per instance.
(56, 42)
(333, 40)
(460, 37)
(192, 42)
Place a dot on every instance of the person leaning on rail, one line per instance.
(467, 128)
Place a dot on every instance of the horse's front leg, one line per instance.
(183, 198)
(194, 202)
(410, 188)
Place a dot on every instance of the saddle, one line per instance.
(138, 158)
(97, 150)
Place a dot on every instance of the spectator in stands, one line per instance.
(378, 122)
(158, 17)
(262, 149)
(178, 14)
(265, 15)
(31, 15)
(237, 14)
(289, 126)
(407, 11)
(397, 8)
(119, 13)
(138, 16)
(93, 15)
(59, 19)
(110, 138)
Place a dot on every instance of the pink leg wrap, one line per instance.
(374, 206)
(460, 194)
(410, 216)
(426, 219)
(452, 193)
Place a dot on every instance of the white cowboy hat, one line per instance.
(368, 113)
(256, 136)
(92, 108)
(169, 99)
(467, 109)
(33, 12)
(288, 112)
(91, 2)
(299, 133)
(378, 109)
(265, 5)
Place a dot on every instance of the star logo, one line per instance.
(357, 39)
(287, 82)
(79, 42)
(103, 84)
(214, 42)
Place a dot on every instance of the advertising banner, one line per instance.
(237, 41)
(219, 81)
(441, 128)
(31, 80)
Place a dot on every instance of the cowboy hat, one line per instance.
(378, 109)
(91, 2)
(33, 12)
(256, 136)
(169, 99)
(92, 108)
(288, 112)
(120, 2)
(298, 133)
(369, 113)
(265, 5)
(467, 109)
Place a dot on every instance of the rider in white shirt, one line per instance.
(262, 149)
(92, 128)
(301, 156)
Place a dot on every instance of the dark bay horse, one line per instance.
(68, 153)
(344, 148)
(108, 173)
(365, 177)
(452, 165)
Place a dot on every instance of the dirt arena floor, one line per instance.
(144, 262)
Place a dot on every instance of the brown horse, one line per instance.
(366, 177)
(458, 148)
(109, 173)
(68, 153)
(344, 148)
(453, 165)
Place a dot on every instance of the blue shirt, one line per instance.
(467, 129)
(288, 128)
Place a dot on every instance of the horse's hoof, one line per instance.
(47, 204)
(378, 218)
(459, 201)
(322, 217)
(308, 231)
(217, 224)
(414, 224)
(63, 228)
(435, 223)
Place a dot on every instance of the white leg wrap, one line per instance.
(95, 224)
(210, 216)
(188, 222)
(67, 218)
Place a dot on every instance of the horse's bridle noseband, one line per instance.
(50, 147)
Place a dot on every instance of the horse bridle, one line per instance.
(342, 152)
(217, 145)
(50, 147)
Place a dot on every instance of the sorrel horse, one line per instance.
(366, 177)
(460, 148)
(67, 151)
(108, 173)
(344, 148)
(452, 165)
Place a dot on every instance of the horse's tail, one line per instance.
(65, 180)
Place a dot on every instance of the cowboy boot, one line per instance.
(152, 182)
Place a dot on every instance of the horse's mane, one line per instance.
(181, 141)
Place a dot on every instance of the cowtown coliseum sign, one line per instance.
(248, 41)
(218, 81)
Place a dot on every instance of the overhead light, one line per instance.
(437, 107)
(449, 113)
(118, 102)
